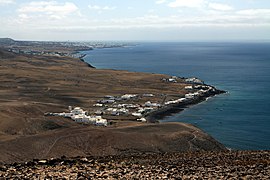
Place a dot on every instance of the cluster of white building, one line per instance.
(46, 53)
(112, 99)
(192, 80)
(110, 107)
(128, 96)
(79, 115)
(201, 91)
(117, 112)
(148, 107)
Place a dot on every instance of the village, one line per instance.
(46, 53)
(59, 49)
(136, 107)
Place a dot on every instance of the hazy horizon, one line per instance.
(147, 21)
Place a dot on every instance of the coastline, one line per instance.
(242, 96)
(159, 114)
(71, 82)
(32, 144)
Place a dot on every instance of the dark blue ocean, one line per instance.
(239, 119)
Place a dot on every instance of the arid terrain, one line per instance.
(33, 85)
(195, 165)
(34, 145)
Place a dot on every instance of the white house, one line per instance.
(149, 104)
(128, 96)
(77, 111)
(148, 95)
(117, 112)
(98, 105)
(107, 101)
(142, 120)
(194, 80)
(79, 115)
(188, 88)
(83, 119)
(137, 114)
(98, 112)
(172, 80)
(101, 122)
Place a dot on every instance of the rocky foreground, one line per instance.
(198, 165)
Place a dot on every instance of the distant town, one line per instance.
(50, 48)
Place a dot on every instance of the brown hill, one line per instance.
(33, 85)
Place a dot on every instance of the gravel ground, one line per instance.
(198, 165)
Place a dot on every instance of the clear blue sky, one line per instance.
(148, 20)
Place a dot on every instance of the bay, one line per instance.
(239, 119)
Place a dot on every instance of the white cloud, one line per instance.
(75, 24)
(96, 7)
(56, 19)
(52, 9)
(161, 1)
(187, 3)
(220, 7)
(3, 2)
(255, 12)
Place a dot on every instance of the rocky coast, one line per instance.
(169, 110)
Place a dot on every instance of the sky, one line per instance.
(135, 20)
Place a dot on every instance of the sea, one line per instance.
(239, 119)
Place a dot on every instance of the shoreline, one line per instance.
(72, 83)
(167, 110)
(163, 112)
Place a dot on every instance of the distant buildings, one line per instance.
(129, 105)
(79, 115)
(194, 81)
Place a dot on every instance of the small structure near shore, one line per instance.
(194, 80)
(79, 115)
(172, 79)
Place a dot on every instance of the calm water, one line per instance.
(239, 119)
